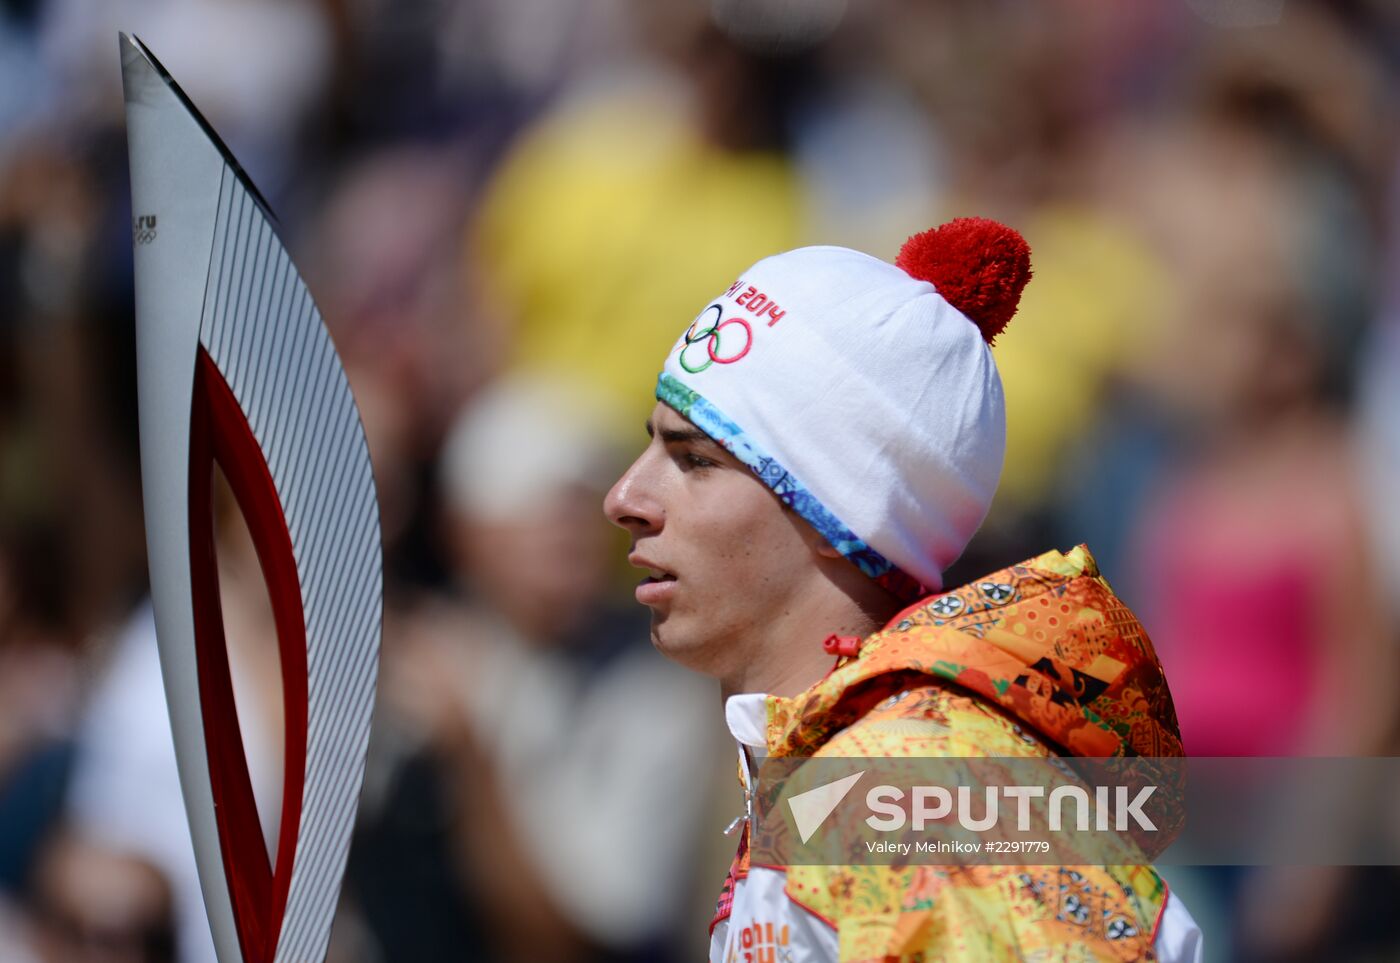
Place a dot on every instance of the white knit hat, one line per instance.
(864, 393)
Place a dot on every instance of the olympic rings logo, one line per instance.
(143, 229)
(714, 340)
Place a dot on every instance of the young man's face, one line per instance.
(725, 559)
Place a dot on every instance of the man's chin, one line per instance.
(660, 637)
(670, 639)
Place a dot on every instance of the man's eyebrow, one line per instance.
(676, 436)
(681, 436)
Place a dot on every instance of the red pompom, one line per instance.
(979, 267)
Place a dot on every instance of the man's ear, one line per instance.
(820, 545)
(814, 539)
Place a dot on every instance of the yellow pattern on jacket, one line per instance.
(1036, 659)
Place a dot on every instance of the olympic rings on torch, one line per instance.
(714, 340)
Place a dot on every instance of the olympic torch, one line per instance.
(236, 369)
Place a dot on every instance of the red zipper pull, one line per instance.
(842, 645)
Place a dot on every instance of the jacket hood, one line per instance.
(1045, 640)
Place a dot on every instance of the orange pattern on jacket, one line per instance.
(1037, 659)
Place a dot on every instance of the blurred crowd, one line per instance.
(507, 210)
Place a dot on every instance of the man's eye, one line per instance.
(695, 461)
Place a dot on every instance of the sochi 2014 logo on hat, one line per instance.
(714, 339)
(711, 339)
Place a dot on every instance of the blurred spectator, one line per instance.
(413, 329)
(727, 139)
(67, 408)
(1021, 99)
(94, 904)
(1234, 461)
(382, 258)
(1253, 552)
(569, 746)
(608, 226)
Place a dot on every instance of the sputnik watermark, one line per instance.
(823, 811)
(1076, 810)
(1111, 809)
(1119, 808)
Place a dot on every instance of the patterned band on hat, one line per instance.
(709, 419)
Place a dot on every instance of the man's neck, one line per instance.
(792, 659)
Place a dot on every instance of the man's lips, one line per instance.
(651, 591)
(659, 584)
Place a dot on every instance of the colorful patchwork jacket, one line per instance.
(1037, 659)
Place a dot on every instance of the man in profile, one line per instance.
(828, 436)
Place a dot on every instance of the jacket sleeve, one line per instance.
(1178, 938)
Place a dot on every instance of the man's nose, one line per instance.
(632, 503)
